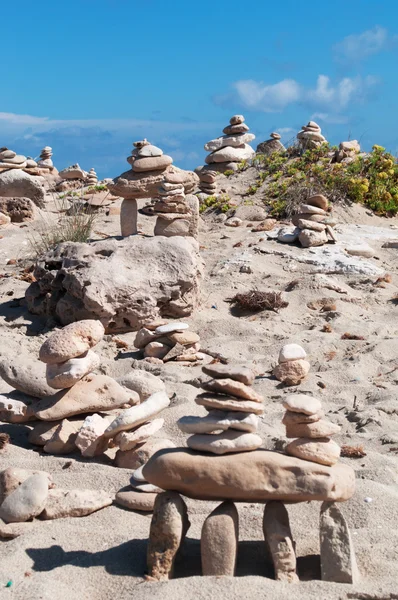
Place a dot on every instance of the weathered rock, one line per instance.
(279, 540)
(153, 163)
(63, 439)
(93, 393)
(15, 411)
(270, 146)
(129, 217)
(319, 429)
(149, 150)
(229, 140)
(237, 120)
(310, 209)
(338, 562)
(73, 172)
(225, 443)
(293, 418)
(15, 183)
(18, 209)
(319, 200)
(323, 450)
(43, 432)
(132, 459)
(26, 501)
(237, 373)
(136, 415)
(291, 352)
(301, 403)
(288, 235)
(169, 526)
(11, 479)
(312, 225)
(226, 403)
(72, 341)
(25, 374)
(255, 476)
(156, 350)
(66, 374)
(144, 185)
(292, 372)
(89, 439)
(96, 281)
(360, 250)
(230, 154)
(74, 503)
(11, 531)
(235, 128)
(219, 541)
(130, 439)
(232, 387)
(218, 420)
(142, 382)
(4, 220)
(309, 238)
(136, 500)
(185, 338)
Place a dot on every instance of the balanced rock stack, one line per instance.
(11, 160)
(227, 151)
(310, 136)
(45, 161)
(303, 420)
(270, 146)
(232, 406)
(163, 341)
(314, 223)
(208, 182)
(176, 213)
(347, 152)
(92, 178)
(72, 177)
(292, 367)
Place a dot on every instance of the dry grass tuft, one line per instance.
(256, 301)
(4, 440)
(353, 451)
(352, 336)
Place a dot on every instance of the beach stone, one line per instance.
(156, 350)
(132, 459)
(18, 209)
(26, 501)
(226, 403)
(323, 450)
(338, 562)
(5, 154)
(93, 393)
(269, 147)
(237, 120)
(292, 372)
(138, 476)
(167, 227)
(144, 337)
(308, 209)
(363, 250)
(313, 226)
(169, 526)
(89, 438)
(63, 439)
(288, 235)
(127, 440)
(73, 172)
(279, 540)
(301, 403)
(149, 150)
(176, 327)
(237, 373)
(142, 382)
(136, 500)
(15, 183)
(229, 140)
(143, 487)
(291, 352)
(231, 154)
(219, 541)
(12, 477)
(309, 238)
(225, 442)
(74, 503)
(10, 531)
(234, 129)
(293, 418)
(185, 338)
(255, 476)
(43, 432)
(25, 374)
(71, 341)
(66, 374)
(129, 217)
(319, 429)
(15, 411)
(319, 200)
(218, 420)
(136, 415)
(232, 387)
(311, 218)
(275, 136)
(153, 163)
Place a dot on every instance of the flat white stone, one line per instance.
(302, 403)
(291, 352)
(219, 420)
(171, 328)
(130, 418)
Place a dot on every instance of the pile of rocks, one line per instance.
(162, 342)
(208, 182)
(347, 152)
(270, 146)
(45, 161)
(292, 367)
(303, 420)
(232, 406)
(177, 214)
(227, 151)
(72, 178)
(310, 136)
(92, 178)
(313, 224)
(11, 160)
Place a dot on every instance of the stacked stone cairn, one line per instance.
(11, 160)
(45, 161)
(347, 152)
(292, 368)
(310, 136)
(232, 405)
(176, 213)
(162, 342)
(272, 145)
(208, 183)
(313, 224)
(227, 151)
(92, 178)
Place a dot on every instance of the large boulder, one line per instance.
(15, 183)
(132, 185)
(122, 283)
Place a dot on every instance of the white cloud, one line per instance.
(329, 118)
(339, 96)
(267, 98)
(357, 47)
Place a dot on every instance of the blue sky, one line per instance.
(89, 77)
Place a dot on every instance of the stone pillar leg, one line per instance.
(128, 217)
(338, 561)
(278, 538)
(219, 541)
(169, 526)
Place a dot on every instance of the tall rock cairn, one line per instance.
(232, 407)
(208, 182)
(45, 161)
(92, 178)
(315, 222)
(177, 214)
(227, 151)
(310, 136)
(304, 421)
(11, 160)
